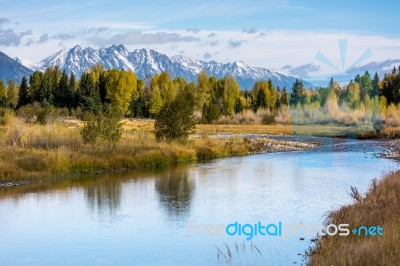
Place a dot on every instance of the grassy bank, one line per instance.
(32, 152)
(328, 130)
(380, 206)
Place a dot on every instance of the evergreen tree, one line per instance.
(102, 83)
(23, 93)
(88, 94)
(298, 94)
(284, 97)
(375, 85)
(34, 86)
(3, 95)
(61, 94)
(261, 100)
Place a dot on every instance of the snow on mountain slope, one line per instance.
(10, 69)
(145, 62)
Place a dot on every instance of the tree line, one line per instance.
(120, 91)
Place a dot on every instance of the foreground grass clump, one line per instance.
(380, 206)
(32, 152)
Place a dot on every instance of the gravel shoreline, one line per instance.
(265, 145)
(393, 150)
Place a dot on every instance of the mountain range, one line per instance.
(146, 62)
(11, 69)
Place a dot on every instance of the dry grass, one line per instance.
(34, 152)
(380, 206)
(246, 117)
(244, 129)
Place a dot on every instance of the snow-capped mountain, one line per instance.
(11, 69)
(145, 62)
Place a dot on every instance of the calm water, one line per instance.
(143, 218)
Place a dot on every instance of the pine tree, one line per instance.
(61, 94)
(88, 94)
(298, 94)
(284, 97)
(23, 93)
(3, 95)
(375, 85)
(261, 100)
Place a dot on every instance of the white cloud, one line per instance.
(143, 38)
(274, 50)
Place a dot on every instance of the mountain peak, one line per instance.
(146, 62)
(77, 48)
(10, 69)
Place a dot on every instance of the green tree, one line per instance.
(353, 94)
(63, 94)
(23, 93)
(261, 100)
(230, 95)
(155, 102)
(34, 86)
(3, 95)
(210, 112)
(12, 94)
(375, 85)
(48, 86)
(298, 94)
(88, 94)
(202, 90)
(284, 97)
(176, 120)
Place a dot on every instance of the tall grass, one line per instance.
(31, 151)
(246, 117)
(240, 254)
(380, 206)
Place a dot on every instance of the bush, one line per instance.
(29, 113)
(108, 128)
(6, 116)
(268, 119)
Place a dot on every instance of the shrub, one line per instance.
(268, 119)
(108, 128)
(90, 131)
(6, 116)
(29, 112)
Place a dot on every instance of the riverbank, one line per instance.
(33, 153)
(393, 150)
(379, 207)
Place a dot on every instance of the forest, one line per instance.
(366, 100)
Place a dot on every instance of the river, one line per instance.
(160, 217)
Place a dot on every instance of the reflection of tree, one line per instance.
(175, 192)
(104, 195)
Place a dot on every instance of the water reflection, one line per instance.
(175, 191)
(104, 195)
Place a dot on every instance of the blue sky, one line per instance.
(262, 33)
